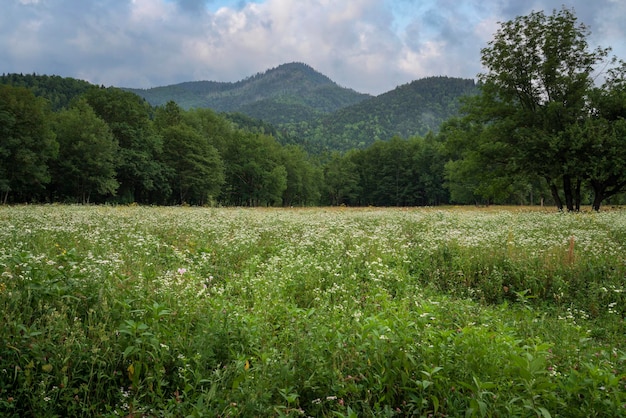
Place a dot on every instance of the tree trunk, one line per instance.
(567, 190)
(598, 197)
(577, 194)
(555, 195)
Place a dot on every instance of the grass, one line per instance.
(137, 311)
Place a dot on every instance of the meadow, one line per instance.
(171, 312)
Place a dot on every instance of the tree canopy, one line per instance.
(26, 143)
(539, 112)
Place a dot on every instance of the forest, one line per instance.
(67, 141)
(535, 130)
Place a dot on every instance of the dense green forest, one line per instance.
(109, 145)
(409, 110)
(307, 108)
(536, 129)
(292, 92)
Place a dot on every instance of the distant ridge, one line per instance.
(295, 104)
(289, 93)
(412, 109)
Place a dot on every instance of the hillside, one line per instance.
(289, 93)
(296, 104)
(59, 91)
(408, 110)
(309, 109)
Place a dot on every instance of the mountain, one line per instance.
(408, 110)
(297, 105)
(289, 93)
(308, 108)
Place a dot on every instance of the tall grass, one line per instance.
(136, 311)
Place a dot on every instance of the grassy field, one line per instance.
(138, 311)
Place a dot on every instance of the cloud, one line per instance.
(369, 45)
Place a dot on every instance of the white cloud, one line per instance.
(368, 45)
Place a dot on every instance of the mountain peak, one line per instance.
(300, 69)
(291, 92)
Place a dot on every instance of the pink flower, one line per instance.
(182, 270)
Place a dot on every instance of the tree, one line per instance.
(603, 136)
(341, 179)
(27, 143)
(87, 154)
(429, 170)
(140, 171)
(195, 167)
(476, 171)
(303, 177)
(539, 73)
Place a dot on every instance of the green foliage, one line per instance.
(58, 91)
(26, 144)
(140, 173)
(388, 173)
(254, 171)
(289, 93)
(341, 180)
(131, 311)
(85, 167)
(195, 166)
(197, 169)
(539, 114)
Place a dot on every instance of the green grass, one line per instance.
(137, 311)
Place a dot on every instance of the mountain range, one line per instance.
(296, 104)
(291, 92)
(308, 108)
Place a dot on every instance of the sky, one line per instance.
(371, 46)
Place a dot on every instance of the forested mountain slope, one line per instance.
(309, 109)
(408, 110)
(291, 93)
(59, 91)
(296, 104)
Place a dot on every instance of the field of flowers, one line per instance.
(139, 311)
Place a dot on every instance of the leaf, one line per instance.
(435, 403)
(544, 412)
(47, 368)
(131, 349)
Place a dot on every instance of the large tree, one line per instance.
(26, 143)
(86, 164)
(194, 166)
(603, 135)
(341, 179)
(140, 173)
(303, 177)
(539, 72)
(255, 174)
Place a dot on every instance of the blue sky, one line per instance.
(371, 46)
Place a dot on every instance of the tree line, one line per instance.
(540, 130)
(109, 145)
